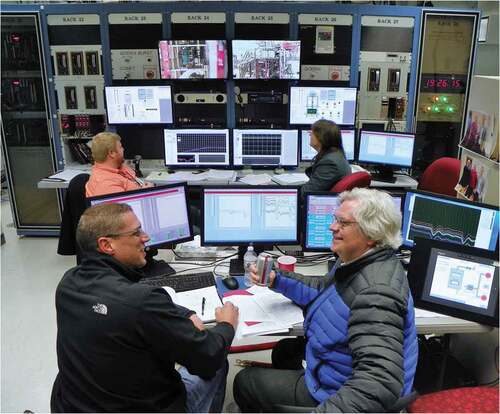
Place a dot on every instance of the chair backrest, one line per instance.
(361, 179)
(441, 176)
(75, 203)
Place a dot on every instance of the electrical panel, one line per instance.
(384, 70)
(135, 64)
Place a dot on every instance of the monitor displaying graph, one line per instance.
(450, 220)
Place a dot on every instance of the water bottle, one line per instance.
(249, 258)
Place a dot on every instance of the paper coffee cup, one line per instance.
(287, 263)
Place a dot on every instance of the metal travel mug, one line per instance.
(264, 267)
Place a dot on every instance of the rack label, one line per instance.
(325, 19)
(387, 21)
(72, 19)
(262, 18)
(129, 18)
(198, 17)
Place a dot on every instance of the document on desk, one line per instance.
(203, 301)
(217, 175)
(291, 179)
(256, 179)
(65, 175)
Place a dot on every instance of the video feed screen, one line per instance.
(193, 59)
(308, 104)
(266, 59)
(139, 104)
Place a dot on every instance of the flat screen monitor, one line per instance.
(193, 59)
(455, 280)
(239, 215)
(265, 147)
(266, 59)
(448, 219)
(319, 210)
(162, 212)
(308, 104)
(196, 147)
(307, 153)
(139, 104)
(386, 148)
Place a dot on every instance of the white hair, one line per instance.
(377, 216)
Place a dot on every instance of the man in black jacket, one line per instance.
(118, 341)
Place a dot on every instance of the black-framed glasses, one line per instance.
(138, 232)
(343, 223)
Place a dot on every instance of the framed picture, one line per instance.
(483, 29)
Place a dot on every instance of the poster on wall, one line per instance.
(474, 176)
(481, 134)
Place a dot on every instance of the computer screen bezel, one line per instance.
(204, 242)
(267, 40)
(263, 166)
(303, 130)
(305, 247)
(381, 164)
(149, 190)
(196, 166)
(322, 85)
(446, 198)
(226, 42)
(418, 273)
(172, 106)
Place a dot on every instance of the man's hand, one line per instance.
(256, 279)
(227, 313)
(197, 322)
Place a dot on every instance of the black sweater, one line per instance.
(118, 342)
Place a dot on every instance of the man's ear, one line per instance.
(105, 245)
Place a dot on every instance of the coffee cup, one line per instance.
(287, 263)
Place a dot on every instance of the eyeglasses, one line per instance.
(343, 223)
(138, 232)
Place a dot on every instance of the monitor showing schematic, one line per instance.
(265, 147)
(139, 104)
(196, 147)
(311, 103)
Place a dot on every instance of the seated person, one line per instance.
(118, 340)
(109, 173)
(329, 165)
(360, 336)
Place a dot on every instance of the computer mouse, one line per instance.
(230, 282)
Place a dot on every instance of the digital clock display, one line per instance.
(443, 83)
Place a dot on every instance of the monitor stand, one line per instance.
(236, 265)
(384, 174)
(155, 267)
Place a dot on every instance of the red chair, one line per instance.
(441, 176)
(360, 179)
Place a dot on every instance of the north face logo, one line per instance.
(100, 308)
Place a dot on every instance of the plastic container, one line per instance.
(249, 258)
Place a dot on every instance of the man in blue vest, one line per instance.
(361, 342)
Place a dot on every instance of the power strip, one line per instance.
(294, 253)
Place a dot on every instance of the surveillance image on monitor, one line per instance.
(437, 217)
(311, 103)
(265, 147)
(308, 152)
(193, 59)
(240, 215)
(386, 148)
(194, 147)
(139, 104)
(266, 59)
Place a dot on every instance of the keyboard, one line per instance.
(183, 281)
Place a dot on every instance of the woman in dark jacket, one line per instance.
(330, 165)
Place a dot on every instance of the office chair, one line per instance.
(360, 179)
(75, 203)
(441, 176)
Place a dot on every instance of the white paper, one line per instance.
(256, 179)
(66, 175)
(421, 313)
(292, 178)
(192, 299)
(229, 175)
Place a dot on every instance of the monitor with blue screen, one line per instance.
(451, 220)
(307, 152)
(239, 215)
(319, 211)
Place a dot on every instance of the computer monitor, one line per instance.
(266, 59)
(308, 104)
(196, 147)
(265, 148)
(307, 153)
(455, 280)
(193, 59)
(386, 150)
(239, 215)
(139, 104)
(319, 210)
(448, 219)
(162, 211)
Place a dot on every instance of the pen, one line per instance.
(203, 306)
